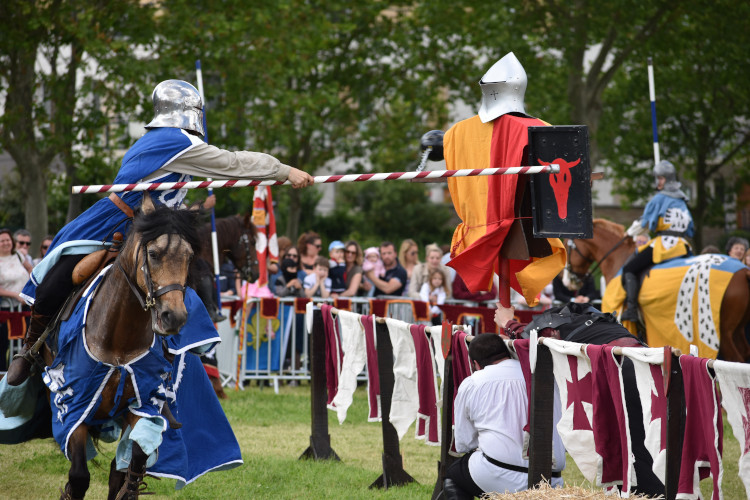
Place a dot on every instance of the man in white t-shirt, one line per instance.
(490, 410)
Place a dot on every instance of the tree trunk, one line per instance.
(699, 207)
(35, 206)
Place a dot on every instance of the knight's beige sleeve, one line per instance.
(204, 160)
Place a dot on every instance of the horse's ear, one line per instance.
(248, 220)
(147, 204)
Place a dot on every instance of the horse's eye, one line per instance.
(152, 254)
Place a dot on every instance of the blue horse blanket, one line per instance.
(76, 379)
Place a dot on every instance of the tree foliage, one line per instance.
(67, 71)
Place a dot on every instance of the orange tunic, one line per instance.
(485, 204)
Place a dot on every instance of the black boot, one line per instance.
(632, 286)
(20, 367)
(451, 491)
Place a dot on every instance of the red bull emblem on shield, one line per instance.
(561, 202)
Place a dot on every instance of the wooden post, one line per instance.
(320, 440)
(675, 427)
(446, 459)
(541, 418)
(503, 287)
(393, 468)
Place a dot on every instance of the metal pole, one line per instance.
(652, 96)
(214, 241)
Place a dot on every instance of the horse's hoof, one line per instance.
(18, 371)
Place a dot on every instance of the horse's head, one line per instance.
(242, 251)
(579, 262)
(159, 250)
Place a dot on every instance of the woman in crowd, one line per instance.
(46, 242)
(736, 247)
(353, 274)
(308, 246)
(408, 257)
(14, 273)
(422, 271)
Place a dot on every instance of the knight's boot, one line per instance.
(632, 287)
(20, 367)
(451, 491)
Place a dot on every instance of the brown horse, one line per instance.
(235, 237)
(610, 248)
(141, 294)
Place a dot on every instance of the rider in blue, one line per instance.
(172, 150)
(667, 215)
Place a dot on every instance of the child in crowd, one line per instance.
(434, 292)
(372, 262)
(318, 284)
(337, 267)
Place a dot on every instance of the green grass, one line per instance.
(273, 431)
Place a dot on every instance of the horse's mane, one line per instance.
(610, 227)
(164, 220)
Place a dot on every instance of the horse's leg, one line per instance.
(137, 468)
(116, 480)
(78, 476)
(735, 314)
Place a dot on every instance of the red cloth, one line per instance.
(269, 308)
(701, 397)
(460, 368)
(299, 304)
(522, 351)
(343, 304)
(334, 354)
(16, 321)
(455, 315)
(477, 263)
(421, 310)
(373, 373)
(610, 426)
(379, 308)
(427, 415)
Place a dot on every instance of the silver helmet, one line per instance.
(177, 104)
(671, 185)
(503, 89)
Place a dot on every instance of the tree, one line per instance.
(305, 81)
(63, 72)
(703, 103)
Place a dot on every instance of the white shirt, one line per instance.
(311, 279)
(490, 410)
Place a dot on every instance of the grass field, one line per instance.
(273, 431)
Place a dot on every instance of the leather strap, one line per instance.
(516, 468)
(124, 207)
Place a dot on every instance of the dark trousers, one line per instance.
(56, 286)
(459, 473)
(640, 261)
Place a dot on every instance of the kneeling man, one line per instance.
(490, 411)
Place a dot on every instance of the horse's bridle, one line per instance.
(149, 302)
(251, 257)
(597, 263)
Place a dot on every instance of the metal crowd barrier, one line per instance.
(277, 349)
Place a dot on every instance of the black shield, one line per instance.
(561, 203)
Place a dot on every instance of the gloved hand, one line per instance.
(635, 229)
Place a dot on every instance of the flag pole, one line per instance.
(652, 97)
(214, 239)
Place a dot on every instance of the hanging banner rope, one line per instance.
(320, 179)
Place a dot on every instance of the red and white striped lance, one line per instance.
(320, 179)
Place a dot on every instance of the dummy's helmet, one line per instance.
(177, 104)
(503, 89)
(434, 139)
